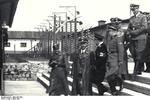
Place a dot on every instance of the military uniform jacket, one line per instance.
(83, 61)
(81, 66)
(137, 25)
(115, 49)
(84, 68)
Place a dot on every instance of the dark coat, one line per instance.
(98, 63)
(58, 82)
(58, 75)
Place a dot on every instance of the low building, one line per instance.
(22, 41)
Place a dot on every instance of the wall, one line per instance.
(15, 45)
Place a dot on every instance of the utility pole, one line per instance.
(1, 60)
(54, 35)
(50, 33)
(74, 85)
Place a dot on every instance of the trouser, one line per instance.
(147, 67)
(79, 84)
(137, 48)
(113, 81)
(139, 67)
(147, 54)
(82, 88)
(101, 88)
(97, 77)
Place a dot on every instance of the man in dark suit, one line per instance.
(98, 65)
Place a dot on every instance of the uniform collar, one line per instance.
(138, 14)
(84, 50)
(100, 43)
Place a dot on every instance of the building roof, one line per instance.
(7, 11)
(25, 34)
(104, 26)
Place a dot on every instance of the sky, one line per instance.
(30, 13)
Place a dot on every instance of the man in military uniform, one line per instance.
(81, 75)
(123, 69)
(115, 49)
(98, 59)
(83, 65)
(137, 25)
(58, 77)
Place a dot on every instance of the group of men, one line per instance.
(109, 60)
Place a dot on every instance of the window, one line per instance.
(23, 45)
(7, 44)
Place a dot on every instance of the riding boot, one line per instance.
(119, 82)
(102, 89)
(112, 87)
(147, 67)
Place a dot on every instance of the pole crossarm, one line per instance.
(63, 25)
(68, 9)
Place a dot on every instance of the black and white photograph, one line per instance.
(74, 48)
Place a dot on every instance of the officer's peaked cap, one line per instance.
(83, 40)
(98, 36)
(146, 13)
(55, 46)
(134, 6)
(115, 20)
(111, 27)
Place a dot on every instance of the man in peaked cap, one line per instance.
(115, 49)
(58, 76)
(137, 23)
(98, 64)
(79, 62)
(82, 78)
